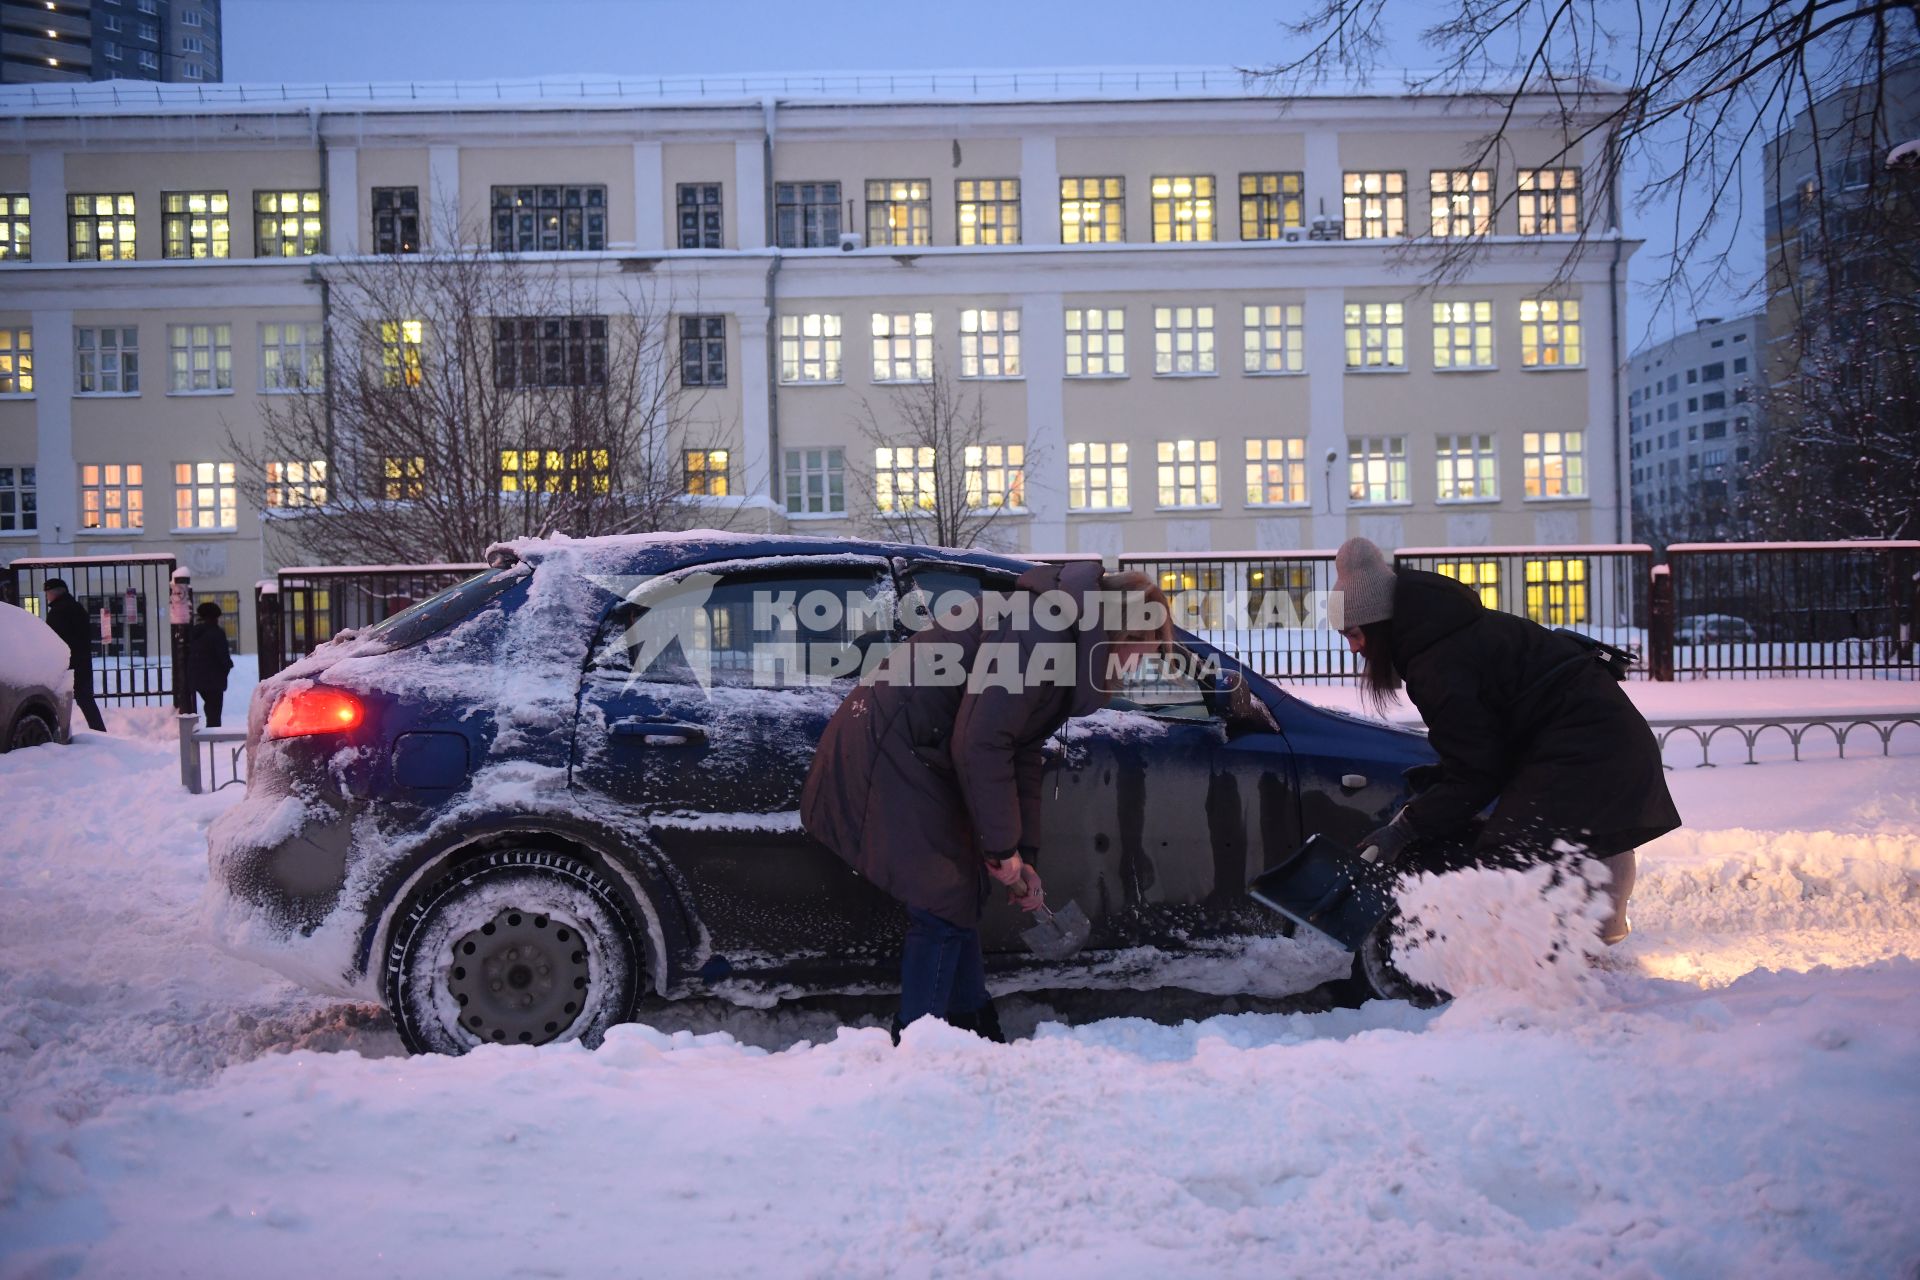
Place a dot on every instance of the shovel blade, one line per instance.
(1060, 936)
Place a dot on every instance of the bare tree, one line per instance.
(470, 397)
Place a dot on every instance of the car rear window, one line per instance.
(438, 612)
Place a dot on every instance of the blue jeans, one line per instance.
(941, 971)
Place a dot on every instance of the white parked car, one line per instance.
(36, 688)
(1713, 628)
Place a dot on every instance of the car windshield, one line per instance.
(438, 612)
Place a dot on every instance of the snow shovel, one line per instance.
(1059, 935)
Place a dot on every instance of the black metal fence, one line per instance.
(1601, 591)
(310, 605)
(127, 599)
(1268, 609)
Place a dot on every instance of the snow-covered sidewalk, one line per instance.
(1739, 1094)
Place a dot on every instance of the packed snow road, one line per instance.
(1737, 1093)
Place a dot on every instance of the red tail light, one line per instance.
(314, 710)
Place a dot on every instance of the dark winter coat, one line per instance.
(68, 618)
(914, 783)
(1518, 712)
(208, 658)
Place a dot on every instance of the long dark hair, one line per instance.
(1379, 678)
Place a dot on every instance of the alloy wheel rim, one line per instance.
(520, 978)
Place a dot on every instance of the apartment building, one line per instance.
(1197, 319)
(68, 41)
(1694, 428)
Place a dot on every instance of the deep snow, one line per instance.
(1737, 1092)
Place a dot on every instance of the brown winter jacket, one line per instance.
(914, 783)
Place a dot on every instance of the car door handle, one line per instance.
(1353, 781)
(659, 733)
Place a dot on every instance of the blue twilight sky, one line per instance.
(310, 40)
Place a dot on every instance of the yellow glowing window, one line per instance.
(706, 472)
(1482, 575)
(1093, 210)
(1183, 208)
(400, 352)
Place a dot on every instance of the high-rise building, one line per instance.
(1693, 429)
(66, 41)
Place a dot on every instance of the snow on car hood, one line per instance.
(30, 654)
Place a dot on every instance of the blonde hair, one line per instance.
(1134, 589)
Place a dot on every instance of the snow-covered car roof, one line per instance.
(31, 655)
(641, 553)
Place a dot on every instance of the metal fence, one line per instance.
(1268, 609)
(1600, 591)
(308, 606)
(127, 600)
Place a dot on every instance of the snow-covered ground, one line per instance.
(1736, 1093)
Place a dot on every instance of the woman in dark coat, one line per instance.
(929, 784)
(208, 661)
(1517, 713)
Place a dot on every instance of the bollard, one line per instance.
(1660, 624)
(186, 723)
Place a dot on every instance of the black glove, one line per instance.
(1386, 844)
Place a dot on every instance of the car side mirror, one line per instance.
(1235, 702)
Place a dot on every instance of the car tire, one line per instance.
(516, 946)
(29, 729)
(1374, 975)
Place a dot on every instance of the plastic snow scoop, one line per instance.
(1330, 888)
(1059, 934)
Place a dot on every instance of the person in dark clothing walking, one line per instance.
(931, 787)
(208, 661)
(69, 621)
(1517, 713)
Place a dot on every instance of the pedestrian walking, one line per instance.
(208, 660)
(69, 621)
(1519, 715)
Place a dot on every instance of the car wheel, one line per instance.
(1376, 977)
(519, 946)
(31, 730)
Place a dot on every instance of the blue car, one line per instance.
(515, 810)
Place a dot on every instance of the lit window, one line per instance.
(550, 351)
(989, 210)
(706, 472)
(403, 477)
(16, 362)
(1374, 205)
(1483, 576)
(1549, 333)
(396, 219)
(297, 484)
(195, 224)
(1182, 208)
(555, 471)
(816, 482)
(899, 211)
(286, 224)
(293, 356)
(1376, 335)
(19, 500)
(100, 228)
(1463, 335)
(1468, 469)
(200, 357)
(548, 219)
(1277, 472)
(990, 343)
(810, 348)
(106, 361)
(1270, 204)
(205, 496)
(1189, 473)
(1097, 476)
(1274, 337)
(806, 215)
(1548, 201)
(400, 352)
(996, 475)
(16, 228)
(1195, 597)
(903, 478)
(111, 496)
(1555, 464)
(1460, 202)
(1096, 342)
(1376, 469)
(703, 351)
(1183, 340)
(1556, 591)
(700, 212)
(1093, 210)
(902, 346)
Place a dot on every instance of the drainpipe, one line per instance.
(1623, 494)
(768, 110)
(316, 122)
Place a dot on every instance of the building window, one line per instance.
(1189, 473)
(1097, 476)
(810, 348)
(816, 481)
(396, 219)
(149, 60)
(703, 351)
(1182, 209)
(286, 224)
(16, 228)
(550, 351)
(1270, 204)
(403, 478)
(1096, 342)
(100, 228)
(1093, 210)
(1550, 333)
(16, 362)
(996, 476)
(200, 358)
(903, 477)
(192, 44)
(1548, 201)
(1556, 591)
(1482, 576)
(1555, 464)
(989, 210)
(296, 484)
(1739, 364)
(293, 356)
(899, 211)
(106, 362)
(1376, 469)
(1376, 335)
(190, 18)
(1183, 341)
(544, 219)
(110, 22)
(1463, 335)
(806, 215)
(205, 496)
(555, 471)
(1277, 472)
(1468, 468)
(111, 496)
(902, 346)
(706, 472)
(1460, 202)
(701, 226)
(1374, 205)
(1274, 337)
(990, 343)
(19, 500)
(401, 343)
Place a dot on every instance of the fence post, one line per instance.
(186, 722)
(268, 627)
(179, 617)
(1660, 623)
(1910, 629)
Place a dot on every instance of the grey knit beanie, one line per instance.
(1362, 583)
